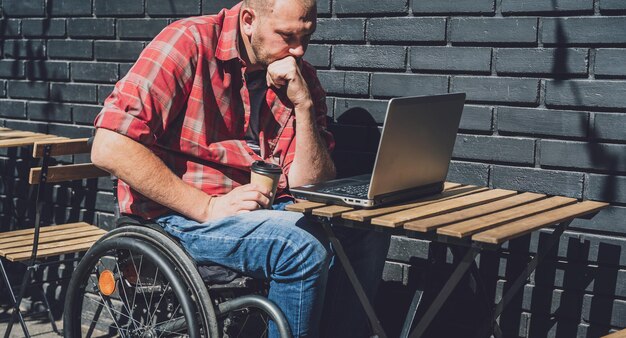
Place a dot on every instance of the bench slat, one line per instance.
(52, 252)
(24, 141)
(397, 219)
(17, 134)
(331, 211)
(63, 147)
(44, 229)
(474, 225)
(618, 334)
(365, 215)
(304, 206)
(62, 173)
(431, 223)
(67, 240)
(48, 237)
(526, 225)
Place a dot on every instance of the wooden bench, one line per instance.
(618, 334)
(33, 246)
(462, 216)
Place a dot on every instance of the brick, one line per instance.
(13, 109)
(70, 49)
(3, 91)
(583, 155)
(494, 149)
(25, 49)
(118, 50)
(451, 59)
(493, 30)
(551, 182)
(609, 127)
(323, 7)
(124, 68)
(173, 8)
(344, 83)
(11, 69)
(48, 111)
(379, 57)
(609, 188)
(85, 114)
(43, 27)
(605, 250)
(73, 93)
(476, 118)
(395, 272)
(94, 72)
(404, 249)
(10, 28)
(453, 6)
(349, 7)
(549, 302)
(105, 201)
(612, 5)
(23, 7)
(28, 90)
(604, 310)
(468, 173)
(214, 6)
(585, 93)
(514, 120)
(69, 7)
(351, 30)
(610, 220)
(547, 6)
(91, 28)
(610, 62)
(406, 29)
(47, 70)
(376, 108)
(552, 62)
(103, 92)
(596, 30)
(118, 7)
(500, 89)
(318, 55)
(70, 131)
(393, 85)
(140, 28)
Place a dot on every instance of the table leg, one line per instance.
(449, 286)
(358, 288)
(522, 278)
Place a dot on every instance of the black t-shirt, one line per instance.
(257, 88)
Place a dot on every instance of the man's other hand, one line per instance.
(241, 199)
(286, 73)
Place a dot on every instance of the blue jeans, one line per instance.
(291, 251)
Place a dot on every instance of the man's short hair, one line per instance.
(264, 5)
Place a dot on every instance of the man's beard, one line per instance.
(261, 55)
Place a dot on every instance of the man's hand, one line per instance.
(241, 199)
(286, 73)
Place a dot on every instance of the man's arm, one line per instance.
(312, 162)
(140, 168)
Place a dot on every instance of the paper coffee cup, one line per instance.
(266, 175)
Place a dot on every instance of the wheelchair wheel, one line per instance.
(127, 286)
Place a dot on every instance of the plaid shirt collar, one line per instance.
(227, 44)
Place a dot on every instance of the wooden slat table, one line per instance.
(473, 218)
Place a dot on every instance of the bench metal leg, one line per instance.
(345, 262)
(14, 304)
(542, 252)
(449, 286)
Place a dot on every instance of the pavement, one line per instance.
(37, 327)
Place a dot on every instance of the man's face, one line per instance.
(282, 31)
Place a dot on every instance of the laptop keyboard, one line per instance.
(358, 191)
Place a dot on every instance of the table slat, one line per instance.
(331, 211)
(526, 225)
(69, 240)
(16, 134)
(474, 225)
(397, 219)
(77, 226)
(618, 334)
(52, 252)
(48, 237)
(431, 223)
(364, 215)
(304, 206)
(24, 141)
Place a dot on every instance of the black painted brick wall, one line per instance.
(545, 83)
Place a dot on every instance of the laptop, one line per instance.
(413, 155)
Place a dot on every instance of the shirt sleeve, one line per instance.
(155, 89)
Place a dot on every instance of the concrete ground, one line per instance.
(37, 327)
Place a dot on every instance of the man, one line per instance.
(207, 97)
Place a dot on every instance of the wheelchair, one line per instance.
(137, 281)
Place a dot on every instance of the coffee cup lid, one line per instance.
(262, 167)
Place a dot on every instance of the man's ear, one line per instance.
(248, 16)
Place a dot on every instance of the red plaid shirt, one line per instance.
(186, 100)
